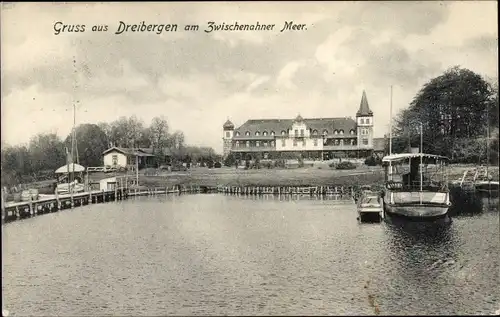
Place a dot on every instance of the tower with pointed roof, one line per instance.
(364, 122)
(227, 137)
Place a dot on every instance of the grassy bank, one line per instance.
(278, 177)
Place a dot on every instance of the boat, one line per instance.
(416, 185)
(369, 207)
(67, 188)
(29, 194)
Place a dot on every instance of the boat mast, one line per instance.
(421, 154)
(390, 125)
(487, 140)
(390, 136)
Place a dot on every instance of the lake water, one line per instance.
(216, 254)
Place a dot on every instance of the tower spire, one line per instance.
(364, 109)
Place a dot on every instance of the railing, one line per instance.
(415, 186)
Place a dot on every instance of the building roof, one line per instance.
(278, 125)
(364, 109)
(131, 151)
(228, 125)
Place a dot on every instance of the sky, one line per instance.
(198, 80)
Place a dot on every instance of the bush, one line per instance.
(332, 165)
(372, 161)
(217, 165)
(346, 165)
(230, 160)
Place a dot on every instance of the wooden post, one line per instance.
(3, 204)
(116, 191)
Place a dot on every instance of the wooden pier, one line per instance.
(289, 190)
(12, 211)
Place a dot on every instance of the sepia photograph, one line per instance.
(250, 158)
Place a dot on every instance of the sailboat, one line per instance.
(72, 184)
(483, 181)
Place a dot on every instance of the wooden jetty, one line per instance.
(52, 203)
(289, 190)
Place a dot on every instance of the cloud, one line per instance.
(198, 79)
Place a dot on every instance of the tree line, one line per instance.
(46, 152)
(456, 111)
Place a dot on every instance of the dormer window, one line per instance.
(272, 133)
(283, 132)
(257, 133)
(335, 132)
(247, 133)
(237, 134)
(325, 132)
(315, 132)
(341, 132)
(265, 133)
(352, 132)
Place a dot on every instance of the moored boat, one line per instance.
(416, 185)
(369, 207)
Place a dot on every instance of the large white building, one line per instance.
(315, 138)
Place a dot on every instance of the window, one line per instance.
(296, 132)
(115, 159)
(364, 132)
(257, 143)
(341, 132)
(283, 142)
(341, 142)
(365, 141)
(336, 142)
(265, 144)
(237, 134)
(272, 133)
(247, 133)
(367, 121)
(353, 142)
(248, 143)
(353, 132)
(283, 132)
(301, 132)
(266, 156)
(304, 142)
(335, 132)
(228, 134)
(257, 133)
(362, 121)
(315, 132)
(294, 142)
(315, 142)
(265, 133)
(272, 143)
(237, 143)
(325, 132)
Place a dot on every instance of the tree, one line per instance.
(107, 129)
(47, 152)
(451, 107)
(91, 143)
(158, 132)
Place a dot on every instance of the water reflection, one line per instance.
(241, 255)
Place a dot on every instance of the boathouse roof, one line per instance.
(404, 156)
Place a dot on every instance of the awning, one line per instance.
(396, 158)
